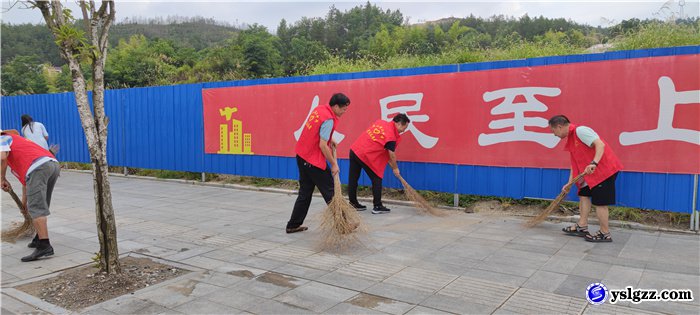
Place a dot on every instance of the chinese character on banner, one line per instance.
(337, 136)
(424, 140)
(668, 99)
(519, 121)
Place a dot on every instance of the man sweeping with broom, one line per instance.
(313, 151)
(371, 152)
(591, 156)
(37, 170)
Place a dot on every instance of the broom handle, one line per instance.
(572, 182)
(18, 201)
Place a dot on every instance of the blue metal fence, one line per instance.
(162, 128)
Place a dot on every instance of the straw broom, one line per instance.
(338, 221)
(423, 205)
(27, 228)
(555, 203)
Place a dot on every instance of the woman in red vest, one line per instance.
(593, 157)
(37, 170)
(314, 148)
(371, 151)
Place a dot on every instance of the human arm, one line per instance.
(5, 184)
(599, 147)
(328, 154)
(393, 164)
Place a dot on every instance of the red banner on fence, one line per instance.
(647, 109)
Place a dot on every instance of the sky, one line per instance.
(269, 13)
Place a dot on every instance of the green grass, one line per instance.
(659, 35)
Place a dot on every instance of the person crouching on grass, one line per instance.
(593, 157)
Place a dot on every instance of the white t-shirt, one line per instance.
(36, 134)
(586, 134)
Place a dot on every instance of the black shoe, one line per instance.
(38, 253)
(358, 206)
(34, 243)
(380, 210)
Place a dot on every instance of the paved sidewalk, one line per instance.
(243, 262)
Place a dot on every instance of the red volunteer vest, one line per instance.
(369, 147)
(582, 155)
(307, 146)
(23, 153)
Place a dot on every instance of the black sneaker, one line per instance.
(358, 206)
(34, 243)
(38, 253)
(380, 210)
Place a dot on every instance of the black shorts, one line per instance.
(602, 194)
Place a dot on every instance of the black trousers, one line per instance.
(309, 177)
(356, 167)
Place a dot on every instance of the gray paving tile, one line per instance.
(591, 269)
(395, 292)
(345, 280)
(528, 301)
(575, 286)
(545, 281)
(301, 271)
(609, 309)
(421, 279)
(374, 271)
(203, 306)
(457, 305)
(269, 285)
(317, 297)
(426, 310)
(668, 307)
(478, 291)
(381, 304)
(619, 277)
(505, 279)
(347, 308)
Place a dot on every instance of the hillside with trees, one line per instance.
(179, 50)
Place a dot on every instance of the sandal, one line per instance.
(576, 230)
(599, 237)
(297, 229)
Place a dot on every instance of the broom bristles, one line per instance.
(25, 229)
(423, 206)
(553, 205)
(340, 222)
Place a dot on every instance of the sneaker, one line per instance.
(358, 206)
(38, 253)
(380, 210)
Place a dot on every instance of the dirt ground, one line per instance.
(77, 288)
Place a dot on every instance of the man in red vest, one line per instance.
(593, 157)
(371, 151)
(314, 149)
(37, 169)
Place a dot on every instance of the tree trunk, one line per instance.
(94, 126)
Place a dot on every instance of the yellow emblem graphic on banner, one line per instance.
(233, 141)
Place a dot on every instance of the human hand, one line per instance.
(6, 185)
(397, 173)
(589, 169)
(335, 170)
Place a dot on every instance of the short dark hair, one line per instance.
(401, 118)
(558, 120)
(339, 99)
